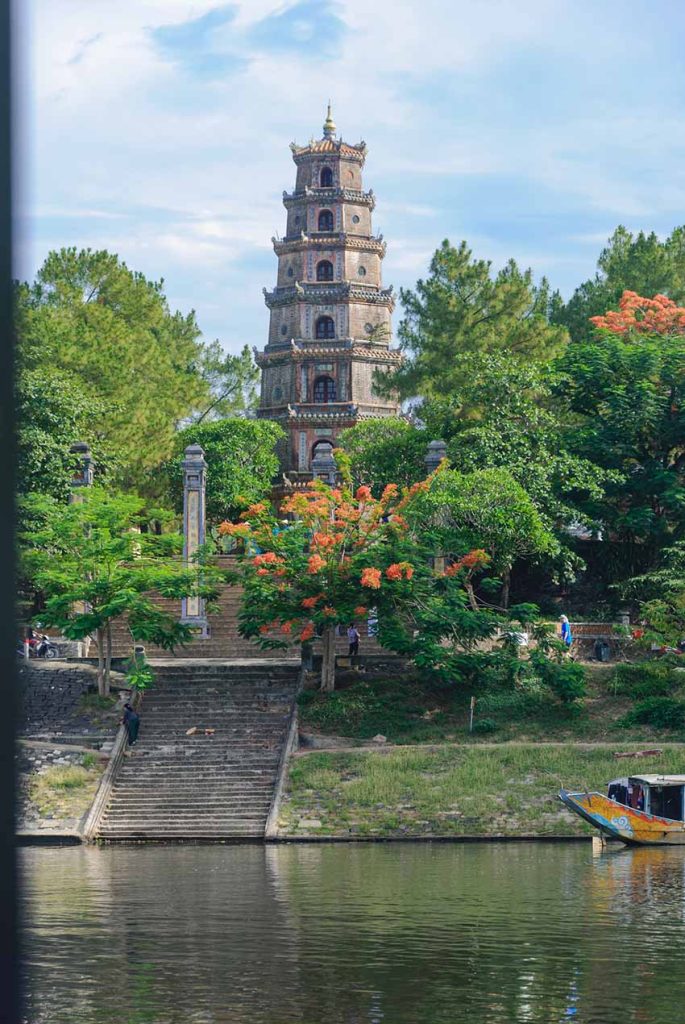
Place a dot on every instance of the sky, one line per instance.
(160, 130)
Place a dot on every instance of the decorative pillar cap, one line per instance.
(194, 458)
(436, 451)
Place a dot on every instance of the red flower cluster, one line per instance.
(659, 315)
(371, 578)
(315, 563)
(399, 570)
(475, 559)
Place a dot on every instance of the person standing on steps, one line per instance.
(353, 640)
(131, 720)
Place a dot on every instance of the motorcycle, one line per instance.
(40, 646)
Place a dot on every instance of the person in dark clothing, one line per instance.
(132, 722)
(353, 640)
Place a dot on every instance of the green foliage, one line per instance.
(88, 761)
(54, 410)
(99, 559)
(661, 712)
(640, 263)
(139, 673)
(484, 726)
(644, 679)
(565, 678)
(504, 415)
(385, 451)
(462, 310)
(241, 464)
(232, 381)
(662, 596)
(485, 509)
(111, 332)
(626, 399)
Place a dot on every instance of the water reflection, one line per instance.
(355, 934)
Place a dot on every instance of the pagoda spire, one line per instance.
(329, 124)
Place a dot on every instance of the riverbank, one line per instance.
(452, 790)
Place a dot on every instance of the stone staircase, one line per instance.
(206, 786)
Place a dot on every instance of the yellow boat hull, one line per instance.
(625, 823)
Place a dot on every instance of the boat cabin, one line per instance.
(661, 795)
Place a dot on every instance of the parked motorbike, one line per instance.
(40, 646)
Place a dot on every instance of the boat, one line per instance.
(641, 810)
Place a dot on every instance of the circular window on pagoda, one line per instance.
(355, 219)
(284, 329)
(362, 271)
(368, 328)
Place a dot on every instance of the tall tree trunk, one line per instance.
(100, 640)
(472, 596)
(506, 584)
(108, 659)
(328, 659)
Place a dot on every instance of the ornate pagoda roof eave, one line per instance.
(350, 195)
(360, 351)
(341, 240)
(333, 146)
(320, 294)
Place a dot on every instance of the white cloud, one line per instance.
(128, 152)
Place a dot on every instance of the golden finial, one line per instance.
(329, 124)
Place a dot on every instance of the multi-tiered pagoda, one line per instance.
(330, 322)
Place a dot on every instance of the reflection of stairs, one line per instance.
(217, 786)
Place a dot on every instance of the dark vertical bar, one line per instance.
(9, 960)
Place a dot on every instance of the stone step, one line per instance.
(174, 786)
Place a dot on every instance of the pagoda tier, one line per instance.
(330, 315)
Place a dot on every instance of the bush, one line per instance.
(661, 712)
(485, 725)
(566, 679)
(647, 679)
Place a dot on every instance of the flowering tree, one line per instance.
(342, 553)
(659, 315)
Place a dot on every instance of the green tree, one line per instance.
(641, 263)
(463, 310)
(626, 397)
(100, 558)
(661, 594)
(385, 451)
(241, 459)
(232, 381)
(486, 510)
(510, 416)
(54, 410)
(112, 330)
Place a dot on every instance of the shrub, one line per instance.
(566, 679)
(485, 725)
(661, 712)
(88, 761)
(647, 679)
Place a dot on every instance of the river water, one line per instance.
(415, 933)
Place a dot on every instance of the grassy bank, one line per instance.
(407, 709)
(65, 792)
(449, 790)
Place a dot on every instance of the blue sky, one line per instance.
(159, 129)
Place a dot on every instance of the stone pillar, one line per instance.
(436, 451)
(194, 478)
(83, 475)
